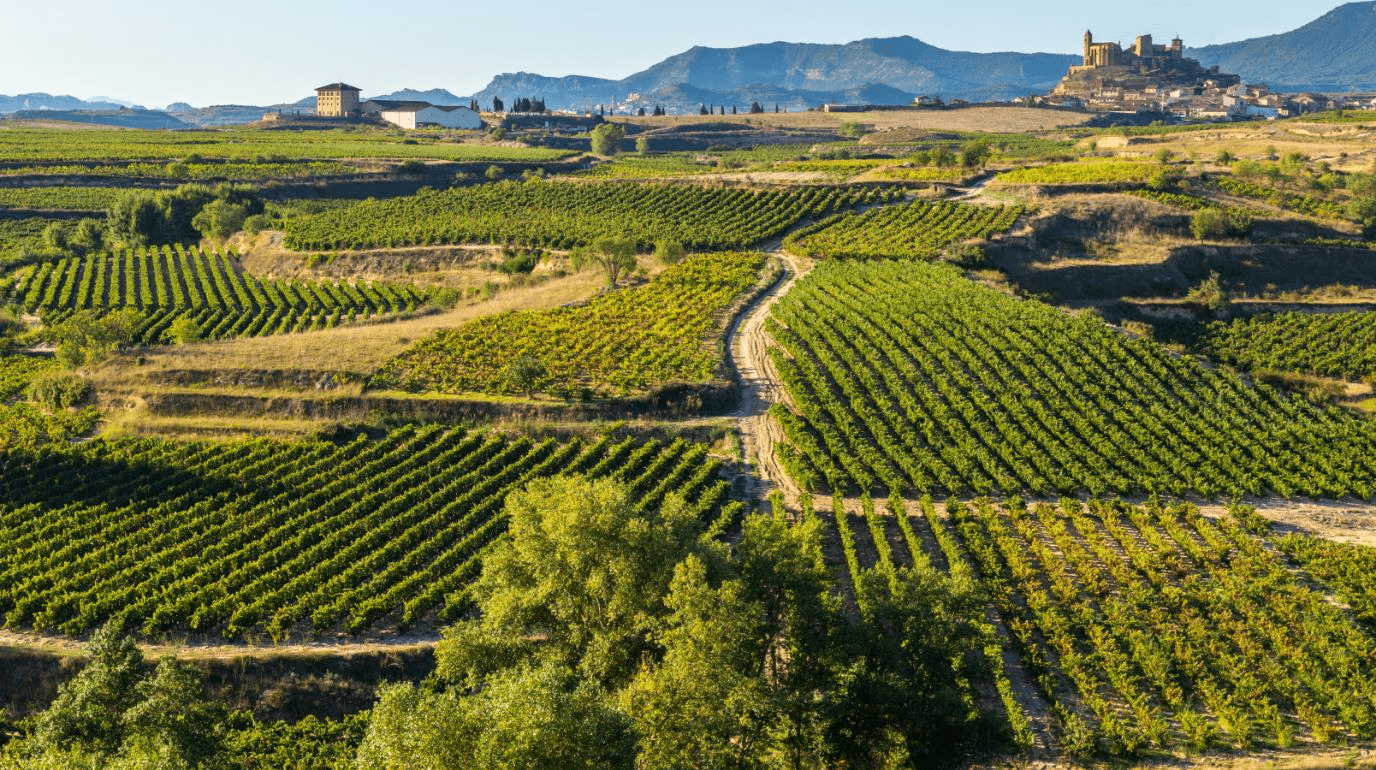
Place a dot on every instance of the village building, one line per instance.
(336, 100)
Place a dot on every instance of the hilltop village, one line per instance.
(1148, 78)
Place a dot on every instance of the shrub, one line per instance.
(669, 252)
(1213, 224)
(412, 167)
(58, 390)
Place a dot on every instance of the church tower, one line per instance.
(1089, 41)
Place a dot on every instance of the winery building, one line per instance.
(336, 100)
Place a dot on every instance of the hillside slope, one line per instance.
(1335, 52)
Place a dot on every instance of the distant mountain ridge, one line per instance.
(891, 70)
(42, 101)
(436, 96)
(1335, 52)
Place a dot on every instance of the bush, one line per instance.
(516, 261)
(182, 331)
(852, 129)
(412, 168)
(58, 390)
(1215, 224)
(258, 223)
(1210, 293)
(669, 252)
(493, 173)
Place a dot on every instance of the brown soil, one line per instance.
(760, 387)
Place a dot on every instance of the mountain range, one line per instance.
(1335, 53)
(799, 75)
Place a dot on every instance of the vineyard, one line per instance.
(627, 340)
(1327, 344)
(61, 198)
(908, 376)
(170, 282)
(176, 169)
(916, 230)
(1086, 172)
(566, 214)
(1297, 202)
(245, 145)
(262, 537)
(1143, 627)
(1348, 570)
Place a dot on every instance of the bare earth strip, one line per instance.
(760, 387)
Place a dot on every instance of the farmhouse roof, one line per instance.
(408, 106)
(338, 87)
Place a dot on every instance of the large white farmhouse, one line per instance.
(419, 114)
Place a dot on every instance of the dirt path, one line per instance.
(66, 647)
(760, 387)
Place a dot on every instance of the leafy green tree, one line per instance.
(182, 331)
(134, 219)
(88, 713)
(218, 220)
(173, 718)
(903, 698)
(606, 139)
(534, 717)
(976, 153)
(1361, 208)
(584, 569)
(614, 255)
(642, 144)
(85, 338)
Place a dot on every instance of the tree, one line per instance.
(614, 255)
(116, 713)
(220, 219)
(182, 331)
(85, 338)
(88, 711)
(1361, 208)
(532, 716)
(173, 718)
(756, 108)
(702, 110)
(902, 697)
(606, 139)
(642, 144)
(497, 105)
(974, 154)
(586, 570)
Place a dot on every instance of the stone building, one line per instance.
(1143, 55)
(336, 100)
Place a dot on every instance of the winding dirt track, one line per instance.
(749, 358)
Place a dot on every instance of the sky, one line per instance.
(260, 52)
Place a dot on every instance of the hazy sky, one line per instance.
(260, 52)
